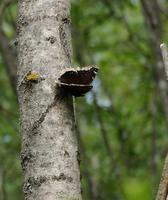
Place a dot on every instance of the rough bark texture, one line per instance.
(49, 154)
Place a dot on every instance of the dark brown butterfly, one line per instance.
(78, 82)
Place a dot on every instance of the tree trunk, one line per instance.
(49, 155)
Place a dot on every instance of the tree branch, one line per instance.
(93, 189)
(165, 57)
(9, 59)
(163, 186)
(7, 53)
(103, 130)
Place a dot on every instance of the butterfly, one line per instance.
(78, 82)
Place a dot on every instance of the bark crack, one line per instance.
(26, 157)
(37, 123)
(65, 25)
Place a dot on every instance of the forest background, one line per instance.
(123, 122)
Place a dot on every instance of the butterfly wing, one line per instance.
(77, 82)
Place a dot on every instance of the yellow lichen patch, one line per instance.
(32, 76)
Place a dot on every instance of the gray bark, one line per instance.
(49, 154)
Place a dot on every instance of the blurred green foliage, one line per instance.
(113, 35)
(10, 170)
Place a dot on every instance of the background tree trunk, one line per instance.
(49, 145)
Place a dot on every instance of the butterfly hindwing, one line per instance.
(77, 90)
